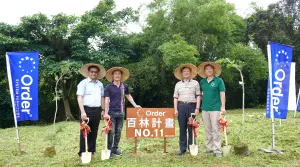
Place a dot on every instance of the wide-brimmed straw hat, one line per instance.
(85, 72)
(201, 70)
(124, 71)
(178, 72)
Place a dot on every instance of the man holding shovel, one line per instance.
(90, 97)
(213, 102)
(115, 94)
(186, 101)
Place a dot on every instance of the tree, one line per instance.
(255, 70)
(66, 41)
(245, 60)
(279, 23)
(211, 26)
(238, 65)
(178, 51)
(7, 43)
(179, 31)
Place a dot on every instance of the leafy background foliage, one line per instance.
(176, 31)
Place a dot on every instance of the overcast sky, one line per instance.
(12, 10)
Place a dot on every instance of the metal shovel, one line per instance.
(226, 148)
(105, 154)
(86, 156)
(193, 147)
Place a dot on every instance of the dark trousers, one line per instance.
(94, 115)
(184, 113)
(114, 135)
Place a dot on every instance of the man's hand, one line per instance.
(106, 116)
(83, 116)
(196, 111)
(223, 111)
(137, 106)
(176, 113)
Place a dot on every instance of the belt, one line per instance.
(184, 102)
(92, 108)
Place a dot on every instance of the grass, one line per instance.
(257, 134)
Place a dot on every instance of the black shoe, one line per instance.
(111, 156)
(219, 155)
(116, 152)
(208, 152)
(180, 153)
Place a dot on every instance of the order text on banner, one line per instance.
(280, 58)
(22, 71)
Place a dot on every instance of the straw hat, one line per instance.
(85, 72)
(201, 71)
(178, 73)
(125, 73)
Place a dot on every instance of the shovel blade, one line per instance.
(226, 150)
(194, 149)
(86, 157)
(105, 154)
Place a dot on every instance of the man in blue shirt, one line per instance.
(90, 97)
(115, 94)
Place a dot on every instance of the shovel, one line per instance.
(86, 156)
(193, 147)
(226, 148)
(105, 154)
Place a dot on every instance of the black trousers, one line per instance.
(114, 135)
(184, 113)
(94, 115)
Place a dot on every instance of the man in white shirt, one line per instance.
(90, 97)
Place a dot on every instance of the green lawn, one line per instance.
(150, 151)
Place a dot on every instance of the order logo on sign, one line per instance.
(150, 122)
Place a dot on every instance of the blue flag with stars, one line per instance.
(22, 71)
(280, 59)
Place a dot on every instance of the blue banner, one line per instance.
(22, 71)
(280, 58)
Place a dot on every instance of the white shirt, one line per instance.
(91, 92)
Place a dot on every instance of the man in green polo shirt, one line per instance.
(213, 102)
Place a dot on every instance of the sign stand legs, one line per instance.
(135, 145)
(165, 145)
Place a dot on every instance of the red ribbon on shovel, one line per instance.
(195, 124)
(223, 123)
(107, 127)
(84, 127)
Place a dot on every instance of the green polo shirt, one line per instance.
(211, 99)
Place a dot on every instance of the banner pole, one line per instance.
(271, 95)
(280, 122)
(297, 103)
(272, 149)
(18, 137)
(13, 103)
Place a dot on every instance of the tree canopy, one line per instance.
(176, 32)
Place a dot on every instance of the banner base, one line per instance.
(270, 150)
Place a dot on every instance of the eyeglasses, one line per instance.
(94, 72)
